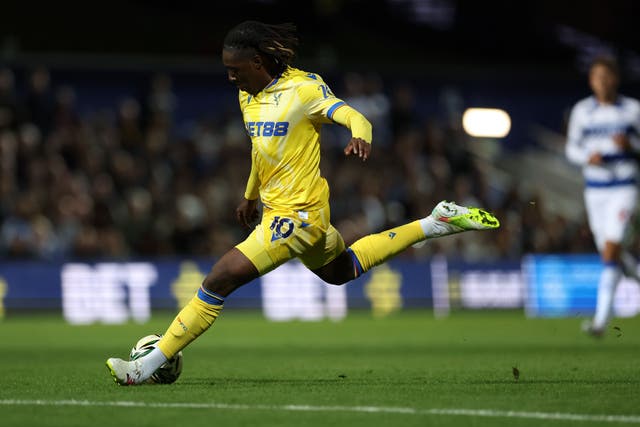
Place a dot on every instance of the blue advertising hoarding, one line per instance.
(114, 292)
(567, 285)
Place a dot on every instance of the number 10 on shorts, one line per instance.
(281, 228)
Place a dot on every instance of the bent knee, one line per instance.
(336, 280)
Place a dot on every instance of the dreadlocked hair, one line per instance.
(277, 42)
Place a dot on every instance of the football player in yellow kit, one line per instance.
(284, 109)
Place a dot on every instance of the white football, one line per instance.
(169, 371)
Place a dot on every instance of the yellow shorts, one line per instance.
(285, 234)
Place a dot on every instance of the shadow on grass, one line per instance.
(249, 382)
(385, 382)
(545, 381)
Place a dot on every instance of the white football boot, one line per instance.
(588, 328)
(449, 218)
(126, 372)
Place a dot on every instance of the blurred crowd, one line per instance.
(123, 182)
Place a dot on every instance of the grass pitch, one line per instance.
(406, 370)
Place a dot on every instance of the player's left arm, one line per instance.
(361, 130)
(630, 140)
(322, 106)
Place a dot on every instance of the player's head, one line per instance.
(254, 53)
(604, 77)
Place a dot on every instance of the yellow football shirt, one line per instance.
(284, 122)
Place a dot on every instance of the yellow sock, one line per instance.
(375, 249)
(195, 318)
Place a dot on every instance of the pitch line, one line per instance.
(561, 416)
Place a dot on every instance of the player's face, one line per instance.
(245, 70)
(603, 82)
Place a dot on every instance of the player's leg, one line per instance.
(265, 249)
(340, 270)
(607, 285)
(233, 270)
(374, 249)
(609, 212)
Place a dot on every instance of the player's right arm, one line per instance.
(247, 211)
(252, 191)
(575, 149)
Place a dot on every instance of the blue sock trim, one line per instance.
(356, 263)
(210, 297)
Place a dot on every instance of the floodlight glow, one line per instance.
(486, 122)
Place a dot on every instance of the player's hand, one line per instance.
(595, 159)
(358, 147)
(622, 141)
(247, 212)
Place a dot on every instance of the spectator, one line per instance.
(39, 100)
(109, 183)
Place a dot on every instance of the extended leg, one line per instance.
(374, 249)
(229, 273)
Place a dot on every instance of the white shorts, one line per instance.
(609, 211)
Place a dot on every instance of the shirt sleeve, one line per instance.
(353, 120)
(252, 191)
(319, 101)
(575, 150)
(634, 131)
(322, 106)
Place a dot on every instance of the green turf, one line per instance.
(410, 360)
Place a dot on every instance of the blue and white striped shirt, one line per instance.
(592, 127)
